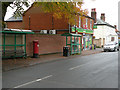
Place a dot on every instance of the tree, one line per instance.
(16, 4)
(60, 9)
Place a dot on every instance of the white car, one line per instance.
(111, 47)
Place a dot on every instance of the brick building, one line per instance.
(15, 23)
(48, 30)
(84, 26)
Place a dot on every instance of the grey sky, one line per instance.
(109, 7)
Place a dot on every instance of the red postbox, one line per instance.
(35, 48)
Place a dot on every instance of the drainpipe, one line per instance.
(29, 22)
(52, 23)
(69, 27)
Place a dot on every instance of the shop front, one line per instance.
(87, 37)
(87, 41)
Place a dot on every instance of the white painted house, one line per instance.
(104, 32)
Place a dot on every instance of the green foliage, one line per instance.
(16, 4)
(60, 9)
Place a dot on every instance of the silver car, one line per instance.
(112, 46)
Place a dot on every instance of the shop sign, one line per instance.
(95, 27)
(82, 30)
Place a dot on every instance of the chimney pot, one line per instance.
(115, 26)
(93, 9)
(102, 16)
(93, 14)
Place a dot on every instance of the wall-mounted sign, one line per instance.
(82, 30)
(95, 27)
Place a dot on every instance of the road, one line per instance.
(92, 71)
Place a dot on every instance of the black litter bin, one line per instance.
(66, 51)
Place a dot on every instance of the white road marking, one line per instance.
(75, 67)
(80, 65)
(32, 81)
(83, 65)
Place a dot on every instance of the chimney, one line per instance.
(115, 26)
(93, 14)
(102, 16)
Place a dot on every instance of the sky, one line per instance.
(109, 7)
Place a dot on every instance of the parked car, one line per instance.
(112, 46)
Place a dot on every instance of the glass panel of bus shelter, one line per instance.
(9, 39)
(19, 39)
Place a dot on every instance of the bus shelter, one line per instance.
(74, 42)
(13, 43)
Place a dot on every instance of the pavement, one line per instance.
(92, 71)
(11, 64)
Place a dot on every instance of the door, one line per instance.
(84, 44)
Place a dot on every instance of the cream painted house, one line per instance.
(104, 33)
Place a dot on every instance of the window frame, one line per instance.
(79, 21)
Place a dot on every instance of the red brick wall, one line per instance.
(15, 25)
(83, 22)
(62, 32)
(61, 23)
(43, 21)
(47, 43)
(38, 21)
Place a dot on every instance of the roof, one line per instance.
(101, 22)
(11, 19)
(70, 34)
(16, 31)
(86, 16)
(89, 17)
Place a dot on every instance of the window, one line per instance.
(79, 21)
(91, 24)
(112, 38)
(86, 22)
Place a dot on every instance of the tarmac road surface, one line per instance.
(92, 71)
